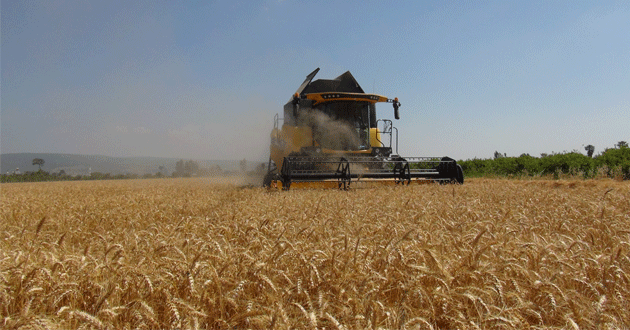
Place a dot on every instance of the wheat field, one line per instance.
(204, 254)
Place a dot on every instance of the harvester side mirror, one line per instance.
(396, 105)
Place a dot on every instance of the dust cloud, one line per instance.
(332, 133)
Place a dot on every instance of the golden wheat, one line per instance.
(201, 254)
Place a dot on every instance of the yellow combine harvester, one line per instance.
(330, 137)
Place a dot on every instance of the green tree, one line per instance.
(617, 161)
(190, 168)
(590, 149)
(179, 168)
(186, 168)
(38, 161)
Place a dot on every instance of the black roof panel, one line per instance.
(344, 83)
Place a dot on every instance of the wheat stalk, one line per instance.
(198, 253)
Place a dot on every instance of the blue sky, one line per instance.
(203, 79)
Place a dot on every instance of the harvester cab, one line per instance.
(330, 136)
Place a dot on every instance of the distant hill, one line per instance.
(84, 164)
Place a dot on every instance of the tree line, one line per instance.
(612, 163)
(40, 175)
(188, 168)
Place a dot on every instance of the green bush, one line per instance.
(612, 163)
(616, 161)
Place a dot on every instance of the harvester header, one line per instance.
(330, 136)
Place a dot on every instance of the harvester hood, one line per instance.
(343, 84)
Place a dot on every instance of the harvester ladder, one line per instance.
(388, 129)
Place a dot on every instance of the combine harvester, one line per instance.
(330, 137)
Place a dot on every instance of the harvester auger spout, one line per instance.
(330, 138)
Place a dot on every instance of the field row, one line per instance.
(202, 254)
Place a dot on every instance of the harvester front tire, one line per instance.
(460, 175)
